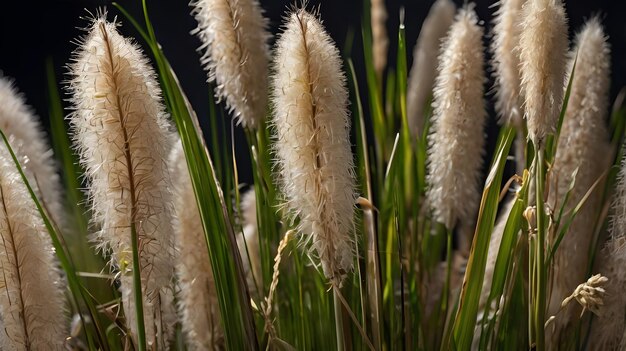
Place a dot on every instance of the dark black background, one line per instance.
(32, 31)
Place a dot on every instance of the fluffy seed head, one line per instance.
(380, 40)
(122, 136)
(312, 140)
(583, 147)
(506, 32)
(543, 49)
(32, 305)
(198, 305)
(456, 143)
(28, 141)
(424, 70)
(235, 54)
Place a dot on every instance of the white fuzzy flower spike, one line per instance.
(122, 135)
(543, 46)
(236, 54)
(380, 40)
(312, 141)
(424, 69)
(198, 306)
(32, 305)
(28, 141)
(583, 147)
(457, 138)
(506, 32)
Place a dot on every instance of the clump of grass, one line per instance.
(425, 264)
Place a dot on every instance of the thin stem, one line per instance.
(141, 331)
(338, 320)
(539, 317)
(445, 295)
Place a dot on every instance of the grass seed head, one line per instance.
(424, 69)
(457, 138)
(312, 143)
(543, 47)
(235, 54)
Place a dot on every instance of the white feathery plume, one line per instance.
(380, 40)
(583, 146)
(236, 53)
(28, 141)
(32, 305)
(543, 46)
(457, 138)
(198, 304)
(506, 32)
(312, 144)
(424, 69)
(122, 135)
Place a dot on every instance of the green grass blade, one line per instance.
(463, 327)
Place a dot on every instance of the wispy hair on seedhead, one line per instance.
(122, 135)
(312, 146)
(235, 54)
(32, 304)
(424, 69)
(457, 139)
(543, 48)
(506, 63)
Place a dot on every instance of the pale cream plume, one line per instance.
(312, 145)
(198, 304)
(380, 39)
(32, 305)
(235, 54)
(543, 46)
(28, 141)
(583, 147)
(424, 69)
(506, 63)
(457, 138)
(122, 135)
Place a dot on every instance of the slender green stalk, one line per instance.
(141, 330)
(540, 269)
(338, 320)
